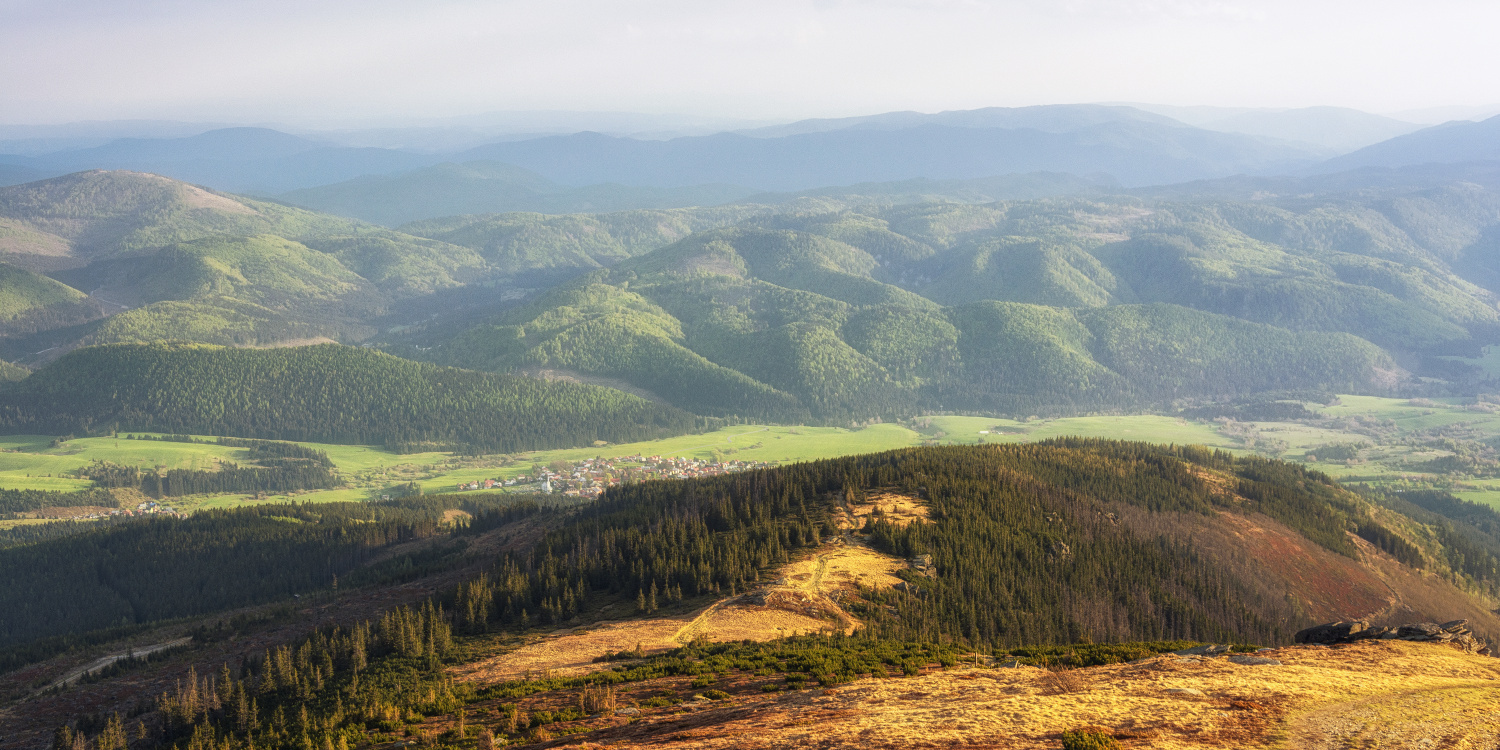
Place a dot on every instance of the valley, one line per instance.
(1035, 427)
(1387, 443)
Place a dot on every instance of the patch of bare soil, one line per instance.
(292, 343)
(573, 376)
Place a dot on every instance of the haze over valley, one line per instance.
(885, 375)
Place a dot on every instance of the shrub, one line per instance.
(715, 695)
(1062, 683)
(1089, 739)
(704, 680)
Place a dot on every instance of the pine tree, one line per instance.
(62, 739)
(113, 736)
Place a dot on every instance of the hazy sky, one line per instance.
(341, 61)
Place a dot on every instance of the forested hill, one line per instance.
(327, 393)
(792, 324)
(1037, 544)
(1053, 543)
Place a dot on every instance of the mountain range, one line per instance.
(820, 308)
(1113, 145)
(1134, 146)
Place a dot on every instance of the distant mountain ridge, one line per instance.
(1133, 146)
(1449, 143)
(479, 187)
(1337, 129)
(1134, 153)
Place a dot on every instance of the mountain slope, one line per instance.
(30, 301)
(327, 393)
(82, 217)
(1338, 129)
(1102, 560)
(800, 321)
(1458, 141)
(179, 262)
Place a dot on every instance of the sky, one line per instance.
(370, 62)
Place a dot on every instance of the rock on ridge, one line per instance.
(1455, 633)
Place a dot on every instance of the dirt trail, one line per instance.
(1449, 717)
(697, 624)
(105, 661)
(818, 573)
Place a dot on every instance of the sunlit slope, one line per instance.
(31, 301)
(184, 263)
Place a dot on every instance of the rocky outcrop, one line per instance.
(1455, 633)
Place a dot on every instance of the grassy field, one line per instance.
(1395, 434)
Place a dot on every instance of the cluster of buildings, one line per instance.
(590, 477)
(148, 508)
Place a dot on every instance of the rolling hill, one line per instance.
(30, 301)
(1044, 305)
(168, 260)
(834, 307)
(779, 324)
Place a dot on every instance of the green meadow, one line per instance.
(1394, 436)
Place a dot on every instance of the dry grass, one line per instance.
(899, 510)
(1376, 693)
(841, 567)
(574, 653)
(776, 619)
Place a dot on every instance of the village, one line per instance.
(589, 478)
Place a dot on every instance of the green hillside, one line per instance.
(325, 393)
(30, 301)
(520, 243)
(184, 263)
(11, 372)
(104, 213)
(772, 324)
(829, 309)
